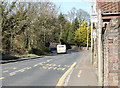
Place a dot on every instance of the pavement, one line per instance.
(84, 74)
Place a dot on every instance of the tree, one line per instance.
(65, 32)
(61, 21)
(82, 40)
(80, 14)
(76, 24)
(73, 27)
(71, 36)
(27, 25)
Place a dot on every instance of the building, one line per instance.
(110, 41)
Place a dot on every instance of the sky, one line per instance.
(67, 6)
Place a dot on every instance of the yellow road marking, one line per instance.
(49, 67)
(35, 65)
(50, 64)
(41, 64)
(54, 64)
(2, 78)
(54, 68)
(58, 68)
(68, 66)
(22, 70)
(62, 79)
(44, 67)
(14, 68)
(48, 60)
(12, 74)
(79, 73)
(5, 71)
(59, 65)
(29, 67)
(63, 68)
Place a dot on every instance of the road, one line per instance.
(44, 71)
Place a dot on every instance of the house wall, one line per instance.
(111, 54)
(111, 44)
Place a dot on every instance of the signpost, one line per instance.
(94, 17)
(94, 34)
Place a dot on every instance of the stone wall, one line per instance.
(111, 57)
(119, 57)
(105, 56)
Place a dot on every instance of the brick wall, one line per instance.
(111, 52)
(105, 56)
(113, 57)
(119, 56)
(108, 7)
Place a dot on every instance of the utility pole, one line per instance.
(1, 40)
(60, 33)
(91, 32)
(100, 61)
(79, 35)
(79, 31)
(80, 26)
(87, 36)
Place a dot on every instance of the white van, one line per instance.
(61, 49)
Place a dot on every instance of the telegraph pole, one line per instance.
(60, 33)
(87, 36)
(79, 31)
(100, 61)
(1, 41)
(91, 33)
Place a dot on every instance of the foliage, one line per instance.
(82, 39)
(27, 25)
(28, 55)
(30, 27)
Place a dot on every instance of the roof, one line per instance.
(110, 14)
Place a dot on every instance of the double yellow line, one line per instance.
(62, 79)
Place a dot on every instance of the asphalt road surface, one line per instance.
(44, 71)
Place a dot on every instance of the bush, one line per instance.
(43, 51)
(8, 57)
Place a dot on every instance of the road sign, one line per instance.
(94, 18)
(94, 34)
